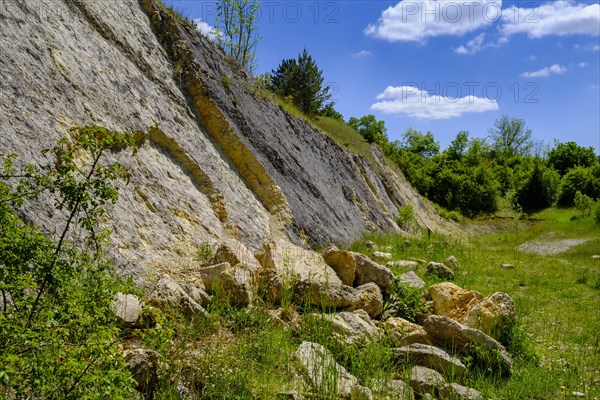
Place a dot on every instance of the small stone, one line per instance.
(452, 301)
(425, 380)
(360, 393)
(143, 365)
(368, 270)
(447, 332)
(342, 263)
(412, 280)
(380, 255)
(458, 391)
(451, 262)
(439, 270)
(318, 365)
(596, 257)
(127, 308)
(507, 266)
(392, 390)
(431, 357)
(370, 244)
(168, 293)
(578, 394)
(495, 315)
(405, 332)
(407, 264)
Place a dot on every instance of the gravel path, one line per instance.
(550, 248)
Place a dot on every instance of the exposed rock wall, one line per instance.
(219, 161)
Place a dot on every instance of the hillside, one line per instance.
(218, 159)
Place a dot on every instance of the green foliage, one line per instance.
(583, 203)
(541, 190)
(571, 183)
(330, 112)
(458, 147)
(417, 143)
(372, 130)
(405, 301)
(204, 253)
(237, 29)
(302, 80)
(405, 216)
(510, 136)
(597, 217)
(58, 337)
(565, 156)
(225, 81)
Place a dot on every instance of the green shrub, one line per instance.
(58, 336)
(405, 302)
(570, 184)
(405, 216)
(583, 203)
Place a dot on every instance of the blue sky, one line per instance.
(445, 66)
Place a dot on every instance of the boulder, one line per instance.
(440, 270)
(381, 255)
(451, 262)
(360, 393)
(168, 293)
(234, 252)
(353, 326)
(143, 365)
(196, 293)
(322, 370)
(412, 280)
(404, 332)
(392, 390)
(342, 263)
(431, 357)
(287, 267)
(127, 308)
(456, 391)
(369, 271)
(495, 315)
(232, 284)
(405, 264)
(425, 380)
(451, 334)
(368, 298)
(452, 301)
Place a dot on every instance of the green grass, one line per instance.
(557, 298)
(345, 136)
(248, 353)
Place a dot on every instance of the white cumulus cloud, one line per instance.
(416, 21)
(421, 104)
(559, 17)
(207, 30)
(554, 69)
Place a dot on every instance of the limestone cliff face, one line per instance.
(220, 161)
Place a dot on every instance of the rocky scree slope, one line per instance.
(216, 160)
